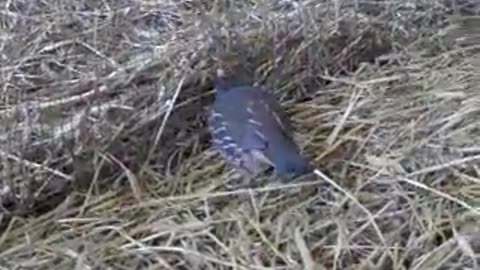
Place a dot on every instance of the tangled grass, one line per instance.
(106, 164)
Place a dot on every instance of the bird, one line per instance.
(251, 131)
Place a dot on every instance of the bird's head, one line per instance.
(226, 78)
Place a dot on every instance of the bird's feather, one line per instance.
(253, 119)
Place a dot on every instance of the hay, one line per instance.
(106, 162)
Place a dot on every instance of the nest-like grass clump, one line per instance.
(106, 162)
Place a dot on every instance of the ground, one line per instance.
(106, 163)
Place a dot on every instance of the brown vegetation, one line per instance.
(105, 162)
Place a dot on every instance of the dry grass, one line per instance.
(105, 162)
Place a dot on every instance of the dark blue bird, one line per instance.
(250, 130)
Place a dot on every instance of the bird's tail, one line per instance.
(288, 160)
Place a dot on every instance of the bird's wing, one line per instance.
(233, 123)
(250, 116)
(271, 114)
